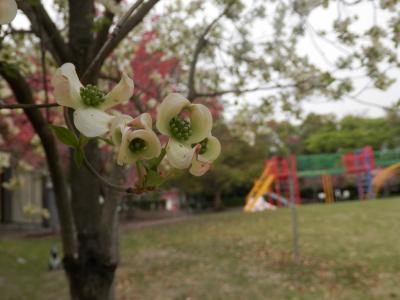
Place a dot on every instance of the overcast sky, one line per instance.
(322, 19)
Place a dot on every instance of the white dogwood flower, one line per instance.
(117, 125)
(89, 102)
(186, 124)
(209, 151)
(8, 11)
(139, 142)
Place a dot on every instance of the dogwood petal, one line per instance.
(118, 122)
(67, 86)
(199, 168)
(124, 147)
(92, 122)
(143, 121)
(122, 92)
(212, 151)
(170, 107)
(201, 122)
(153, 147)
(179, 155)
(151, 150)
(8, 11)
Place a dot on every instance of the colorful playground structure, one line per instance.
(279, 180)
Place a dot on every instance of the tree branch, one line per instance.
(242, 91)
(28, 106)
(200, 45)
(113, 186)
(23, 94)
(103, 33)
(124, 26)
(41, 21)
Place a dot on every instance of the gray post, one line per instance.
(295, 232)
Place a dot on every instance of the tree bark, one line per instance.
(91, 271)
(218, 203)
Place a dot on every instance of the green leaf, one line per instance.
(78, 157)
(83, 140)
(153, 179)
(65, 136)
(154, 162)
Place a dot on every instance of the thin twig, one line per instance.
(44, 73)
(201, 43)
(28, 106)
(120, 24)
(104, 180)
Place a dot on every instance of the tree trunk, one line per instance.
(91, 271)
(89, 277)
(218, 203)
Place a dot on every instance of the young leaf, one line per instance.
(78, 157)
(153, 179)
(65, 136)
(154, 162)
(83, 140)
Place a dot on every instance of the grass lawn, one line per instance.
(348, 251)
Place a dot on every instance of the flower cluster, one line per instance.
(188, 126)
(8, 11)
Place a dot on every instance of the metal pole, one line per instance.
(295, 232)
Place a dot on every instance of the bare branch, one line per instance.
(113, 186)
(201, 43)
(242, 91)
(28, 106)
(124, 26)
(103, 33)
(41, 21)
(363, 102)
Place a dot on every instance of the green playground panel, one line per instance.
(316, 162)
(314, 173)
(319, 164)
(385, 158)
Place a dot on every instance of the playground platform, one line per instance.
(280, 177)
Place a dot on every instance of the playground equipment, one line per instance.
(260, 187)
(277, 174)
(383, 176)
(328, 188)
(361, 163)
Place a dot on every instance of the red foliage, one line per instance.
(154, 74)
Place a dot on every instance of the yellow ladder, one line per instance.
(260, 187)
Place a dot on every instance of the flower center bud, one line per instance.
(203, 145)
(92, 96)
(137, 145)
(181, 129)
